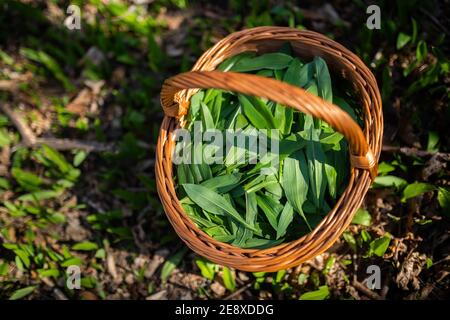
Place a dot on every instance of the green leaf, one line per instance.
(200, 169)
(433, 141)
(316, 166)
(194, 107)
(347, 108)
(365, 236)
(331, 138)
(287, 146)
(362, 217)
(286, 217)
(284, 118)
(216, 107)
(197, 215)
(4, 184)
(172, 263)
(273, 61)
(71, 262)
(350, 239)
(6, 58)
(49, 273)
(306, 75)
(320, 294)
(421, 51)
(88, 282)
(257, 243)
(27, 180)
(230, 62)
(243, 234)
(257, 112)
(80, 156)
(444, 199)
(295, 182)
(56, 158)
(241, 122)
(19, 263)
(385, 168)
(184, 174)
(380, 245)
(4, 268)
(24, 257)
(279, 277)
(85, 246)
(228, 279)
(207, 119)
(56, 217)
(331, 175)
(323, 79)
(292, 75)
(210, 95)
(274, 190)
(414, 31)
(213, 202)
(40, 195)
(5, 139)
(232, 117)
(223, 183)
(50, 63)
(402, 40)
(259, 183)
(312, 88)
(21, 293)
(389, 181)
(271, 209)
(429, 263)
(220, 234)
(416, 189)
(13, 210)
(207, 268)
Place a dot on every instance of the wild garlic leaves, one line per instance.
(245, 200)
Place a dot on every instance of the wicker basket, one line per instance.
(365, 145)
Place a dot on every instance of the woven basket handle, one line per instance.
(360, 154)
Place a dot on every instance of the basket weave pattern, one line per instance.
(365, 145)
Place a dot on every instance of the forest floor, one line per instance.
(79, 120)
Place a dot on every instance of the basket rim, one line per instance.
(358, 183)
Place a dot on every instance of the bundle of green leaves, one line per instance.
(253, 204)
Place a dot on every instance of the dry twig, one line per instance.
(238, 292)
(30, 140)
(369, 293)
